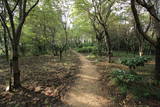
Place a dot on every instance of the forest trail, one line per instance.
(86, 92)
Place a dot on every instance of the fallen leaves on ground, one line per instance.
(45, 80)
(112, 91)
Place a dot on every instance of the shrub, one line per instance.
(125, 77)
(85, 45)
(132, 63)
(87, 49)
(128, 82)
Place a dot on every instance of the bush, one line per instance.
(85, 45)
(125, 77)
(134, 62)
(87, 49)
(128, 82)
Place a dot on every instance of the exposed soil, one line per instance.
(87, 90)
(111, 89)
(73, 82)
(45, 80)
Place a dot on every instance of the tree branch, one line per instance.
(7, 6)
(3, 22)
(10, 13)
(24, 7)
(15, 6)
(138, 24)
(31, 8)
(150, 9)
(109, 10)
(149, 25)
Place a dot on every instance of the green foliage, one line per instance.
(91, 56)
(122, 54)
(86, 44)
(87, 49)
(125, 77)
(129, 82)
(134, 62)
(43, 29)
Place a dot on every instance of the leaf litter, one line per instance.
(45, 81)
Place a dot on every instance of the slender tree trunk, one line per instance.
(14, 32)
(10, 76)
(6, 46)
(60, 55)
(5, 35)
(99, 47)
(150, 49)
(157, 62)
(141, 49)
(157, 55)
(16, 71)
(108, 46)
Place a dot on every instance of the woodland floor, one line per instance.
(87, 91)
(110, 91)
(45, 80)
(77, 81)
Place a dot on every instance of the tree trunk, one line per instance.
(109, 56)
(10, 76)
(60, 55)
(16, 71)
(150, 50)
(157, 56)
(157, 63)
(5, 35)
(157, 60)
(99, 47)
(141, 49)
(108, 46)
(6, 46)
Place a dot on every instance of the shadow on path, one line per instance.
(87, 90)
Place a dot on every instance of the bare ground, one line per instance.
(45, 80)
(112, 91)
(87, 91)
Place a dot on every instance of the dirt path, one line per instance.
(86, 92)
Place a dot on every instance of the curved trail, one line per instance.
(86, 92)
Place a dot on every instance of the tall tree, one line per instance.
(16, 29)
(153, 8)
(102, 10)
(5, 32)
